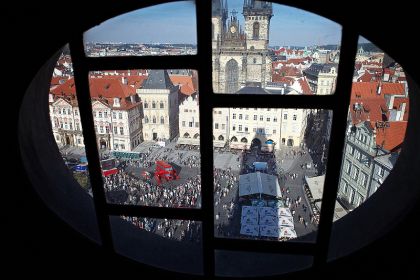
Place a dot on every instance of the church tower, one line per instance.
(218, 19)
(257, 16)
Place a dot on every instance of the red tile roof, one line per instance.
(103, 89)
(306, 90)
(186, 83)
(277, 78)
(391, 138)
(366, 77)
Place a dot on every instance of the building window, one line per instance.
(100, 114)
(233, 116)
(122, 130)
(246, 117)
(154, 119)
(240, 116)
(347, 166)
(246, 129)
(285, 117)
(255, 117)
(355, 175)
(161, 105)
(101, 129)
(120, 116)
(275, 119)
(223, 126)
(190, 124)
(162, 120)
(153, 105)
(274, 131)
(268, 119)
(261, 118)
(197, 124)
(381, 171)
(294, 117)
(146, 105)
(183, 123)
(216, 126)
(233, 128)
(240, 128)
(115, 130)
(114, 115)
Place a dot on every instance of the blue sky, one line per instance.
(175, 23)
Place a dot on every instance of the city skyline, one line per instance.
(176, 23)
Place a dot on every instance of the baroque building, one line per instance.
(240, 54)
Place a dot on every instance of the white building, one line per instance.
(220, 126)
(160, 105)
(189, 122)
(266, 128)
(116, 110)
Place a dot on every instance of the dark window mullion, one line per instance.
(273, 101)
(204, 49)
(339, 124)
(155, 212)
(142, 62)
(85, 106)
(265, 246)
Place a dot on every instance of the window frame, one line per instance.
(336, 102)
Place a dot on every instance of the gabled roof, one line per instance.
(109, 88)
(158, 79)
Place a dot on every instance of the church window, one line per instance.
(232, 76)
(256, 31)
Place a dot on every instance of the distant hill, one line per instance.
(329, 47)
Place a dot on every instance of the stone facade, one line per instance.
(160, 106)
(240, 56)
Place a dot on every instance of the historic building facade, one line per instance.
(160, 105)
(240, 54)
(116, 110)
(189, 122)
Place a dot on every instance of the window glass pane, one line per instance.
(265, 48)
(376, 126)
(65, 120)
(148, 158)
(171, 244)
(237, 264)
(166, 29)
(269, 179)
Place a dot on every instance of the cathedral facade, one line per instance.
(240, 54)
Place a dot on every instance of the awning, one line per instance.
(259, 183)
(269, 231)
(286, 222)
(250, 230)
(316, 186)
(287, 232)
(284, 212)
(268, 221)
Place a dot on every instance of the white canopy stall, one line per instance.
(287, 232)
(258, 183)
(284, 212)
(270, 231)
(252, 230)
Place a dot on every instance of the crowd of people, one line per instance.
(180, 230)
